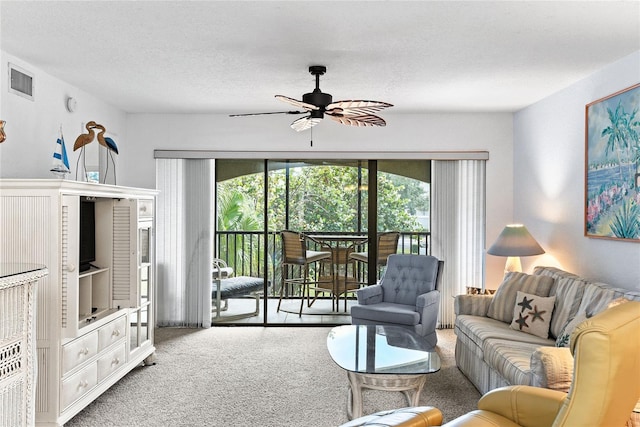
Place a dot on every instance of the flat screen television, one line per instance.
(87, 244)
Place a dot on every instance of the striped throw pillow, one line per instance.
(501, 307)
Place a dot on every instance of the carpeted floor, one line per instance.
(255, 376)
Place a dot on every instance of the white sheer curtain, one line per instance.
(184, 241)
(458, 228)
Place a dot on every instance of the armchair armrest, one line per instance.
(428, 299)
(371, 294)
(552, 367)
(525, 405)
(428, 305)
(474, 305)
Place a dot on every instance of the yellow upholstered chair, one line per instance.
(604, 390)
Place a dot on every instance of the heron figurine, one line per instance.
(105, 141)
(85, 138)
(111, 147)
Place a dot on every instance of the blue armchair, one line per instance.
(406, 296)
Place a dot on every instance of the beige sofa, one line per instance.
(492, 351)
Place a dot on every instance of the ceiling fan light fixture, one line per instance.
(357, 112)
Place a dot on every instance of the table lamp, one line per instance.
(514, 242)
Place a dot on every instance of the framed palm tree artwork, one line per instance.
(612, 166)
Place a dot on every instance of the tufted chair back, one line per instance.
(408, 276)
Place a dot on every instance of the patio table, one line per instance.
(340, 245)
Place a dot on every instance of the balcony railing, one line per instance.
(245, 251)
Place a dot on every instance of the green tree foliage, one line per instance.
(321, 198)
(237, 210)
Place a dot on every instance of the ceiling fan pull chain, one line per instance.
(312, 136)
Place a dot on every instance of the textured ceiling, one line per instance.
(233, 57)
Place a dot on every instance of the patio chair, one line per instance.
(406, 296)
(296, 254)
(387, 244)
(225, 287)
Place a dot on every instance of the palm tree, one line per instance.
(617, 134)
(633, 136)
(235, 213)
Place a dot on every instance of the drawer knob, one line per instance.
(83, 384)
(115, 361)
(115, 333)
(84, 351)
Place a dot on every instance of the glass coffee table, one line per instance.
(379, 357)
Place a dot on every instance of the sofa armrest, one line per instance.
(552, 367)
(474, 305)
(528, 406)
(371, 294)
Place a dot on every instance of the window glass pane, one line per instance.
(404, 192)
(133, 328)
(323, 195)
(240, 217)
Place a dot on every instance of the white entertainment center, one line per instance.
(95, 325)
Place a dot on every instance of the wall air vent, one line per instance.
(21, 82)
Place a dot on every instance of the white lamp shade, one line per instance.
(515, 241)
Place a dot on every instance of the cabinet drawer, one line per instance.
(78, 351)
(111, 362)
(112, 332)
(74, 387)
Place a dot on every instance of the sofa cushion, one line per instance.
(532, 314)
(553, 272)
(564, 337)
(597, 297)
(478, 329)
(568, 292)
(511, 359)
(501, 307)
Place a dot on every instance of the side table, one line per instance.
(18, 342)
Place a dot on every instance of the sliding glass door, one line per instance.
(329, 199)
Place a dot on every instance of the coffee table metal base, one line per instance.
(409, 385)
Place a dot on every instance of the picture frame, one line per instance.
(612, 166)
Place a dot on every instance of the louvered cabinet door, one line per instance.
(124, 265)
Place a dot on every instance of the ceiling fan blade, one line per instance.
(262, 114)
(360, 121)
(304, 123)
(296, 103)
(356, 107)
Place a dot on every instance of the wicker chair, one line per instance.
(387, 245)
(295, 254)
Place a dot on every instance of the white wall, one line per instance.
(32, 129)
(549, 161)
(32, 126)
(411, 132)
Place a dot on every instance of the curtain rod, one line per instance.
(358, 155)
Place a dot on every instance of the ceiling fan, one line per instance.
(318, 103)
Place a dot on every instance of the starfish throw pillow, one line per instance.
(532, 314)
